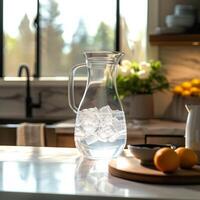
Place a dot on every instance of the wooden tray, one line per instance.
(131, 169)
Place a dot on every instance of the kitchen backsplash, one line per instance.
(182, 63)
(54, 102)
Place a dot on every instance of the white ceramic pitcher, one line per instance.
(192, 129)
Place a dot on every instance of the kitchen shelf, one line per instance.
(175, 40)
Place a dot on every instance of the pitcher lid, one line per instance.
(103, 55)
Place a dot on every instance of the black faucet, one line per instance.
(29, 104)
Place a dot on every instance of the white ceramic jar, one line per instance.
(192, 129)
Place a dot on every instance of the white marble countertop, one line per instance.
(60, 174)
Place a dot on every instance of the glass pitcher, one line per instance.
(100, 126)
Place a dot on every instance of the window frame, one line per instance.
(1, 40)
(38, 42)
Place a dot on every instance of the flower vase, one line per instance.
(139, 108)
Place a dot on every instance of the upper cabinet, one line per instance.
(175, 39)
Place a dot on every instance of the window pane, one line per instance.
(70, 27)
(19, 35)
(134, 28)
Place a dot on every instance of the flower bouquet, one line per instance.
(140, 78)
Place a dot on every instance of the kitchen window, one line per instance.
(51, 35)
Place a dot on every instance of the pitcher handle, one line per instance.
(71, 98)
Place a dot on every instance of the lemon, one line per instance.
(188, 157)
(186, 93)
(166, 160)
(195, 91)
(178, 89)
(186, 85)
(195, 82)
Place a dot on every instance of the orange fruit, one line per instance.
(188, 158)
(186, 93)
(195, 90)
(166, 160)
(195, 82)
(178, 89)
(186, 85)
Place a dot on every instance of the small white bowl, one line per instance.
(169, 30)
(145, 152)
(182, 9)
(180, 21)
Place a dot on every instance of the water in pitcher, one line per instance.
(100, 133)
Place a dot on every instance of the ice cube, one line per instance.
(105, 114)
(105, 109)
(113, 138)
(118, 114)
(117, 125)
(94, 110)
(91, 139)
(104, 133)
(88, 119)
(105, 119)
(104, 124)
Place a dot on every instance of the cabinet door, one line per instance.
(65, 140)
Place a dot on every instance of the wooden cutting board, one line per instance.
(128, 167)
